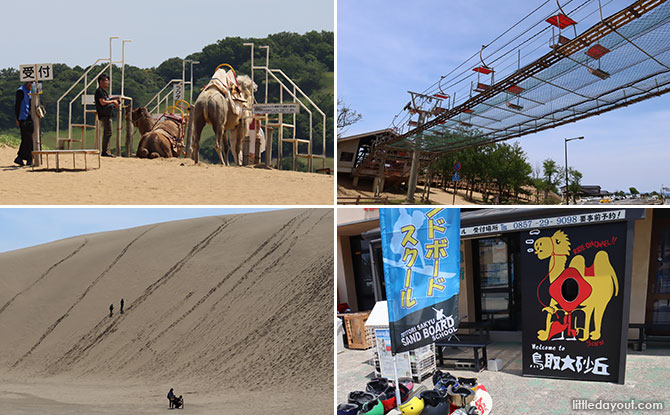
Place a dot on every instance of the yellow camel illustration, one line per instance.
(601, 278)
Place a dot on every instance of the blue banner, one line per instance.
(421, 250)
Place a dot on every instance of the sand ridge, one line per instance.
(226, 303)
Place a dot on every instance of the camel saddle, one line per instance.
(226, 83)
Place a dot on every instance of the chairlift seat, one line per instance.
(441, 96)
(482, 87)
(483, 69)
(561, 21)
(514, 106)
(562, 40)
(597, 51)
(515, 89)
(468, 111)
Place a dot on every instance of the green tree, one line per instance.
(633, 191)
(551, 174)
(574, 183)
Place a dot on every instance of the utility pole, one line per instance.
(567, 200)
(423, 105)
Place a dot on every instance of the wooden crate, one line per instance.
(357, 336)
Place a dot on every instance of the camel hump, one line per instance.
(603, 266)
(578, 262)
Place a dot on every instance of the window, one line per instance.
(346, 156)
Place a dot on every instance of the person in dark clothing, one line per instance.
(104, 106)
(122, 306)
(25, 123)
(171, 397)
(111, 309)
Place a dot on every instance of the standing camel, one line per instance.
(225, 104)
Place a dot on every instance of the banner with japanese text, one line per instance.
(572, 301)
(421, 251)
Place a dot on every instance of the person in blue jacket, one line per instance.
(25, 123)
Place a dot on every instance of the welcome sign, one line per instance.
(572, 280)
(421, 252)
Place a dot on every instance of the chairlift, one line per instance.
(561, 21)
(513, 106)
(442, 94)
(483, 69)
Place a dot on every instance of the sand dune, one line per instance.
(133, 181)
(230, 310)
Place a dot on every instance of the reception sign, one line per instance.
(421, 251)
(573, 279)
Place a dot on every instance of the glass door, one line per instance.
(360, 256)
(495, 293)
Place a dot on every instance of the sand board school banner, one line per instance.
(572, 301)
(421, 252)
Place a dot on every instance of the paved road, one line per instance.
(626, 202)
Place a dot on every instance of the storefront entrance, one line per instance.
(497, 284)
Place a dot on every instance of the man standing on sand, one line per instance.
(122, 306)
(111, 309)
(104, 106)
(25, 123)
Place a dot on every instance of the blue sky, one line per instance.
(24, 227)
(386, 48)
(76, 32)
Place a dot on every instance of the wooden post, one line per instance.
(257, 144)
(98, 145)
(268, 145)
(118, 129)
(37, 142)
(246, 147)
(129, 130)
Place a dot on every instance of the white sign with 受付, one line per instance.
(40, 71)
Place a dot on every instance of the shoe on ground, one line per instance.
(19, 161)
(107, 155)
(29, 162)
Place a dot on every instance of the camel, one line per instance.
(161, 139)
(225, 104)
(558, 248)
(600, 276)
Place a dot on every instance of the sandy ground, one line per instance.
(437, 196)
(126, 181)
(229, 310)
(67, 396)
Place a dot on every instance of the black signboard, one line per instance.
(573, 301)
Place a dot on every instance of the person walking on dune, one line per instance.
(170, 397)
(122, 306)
(111, 309)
